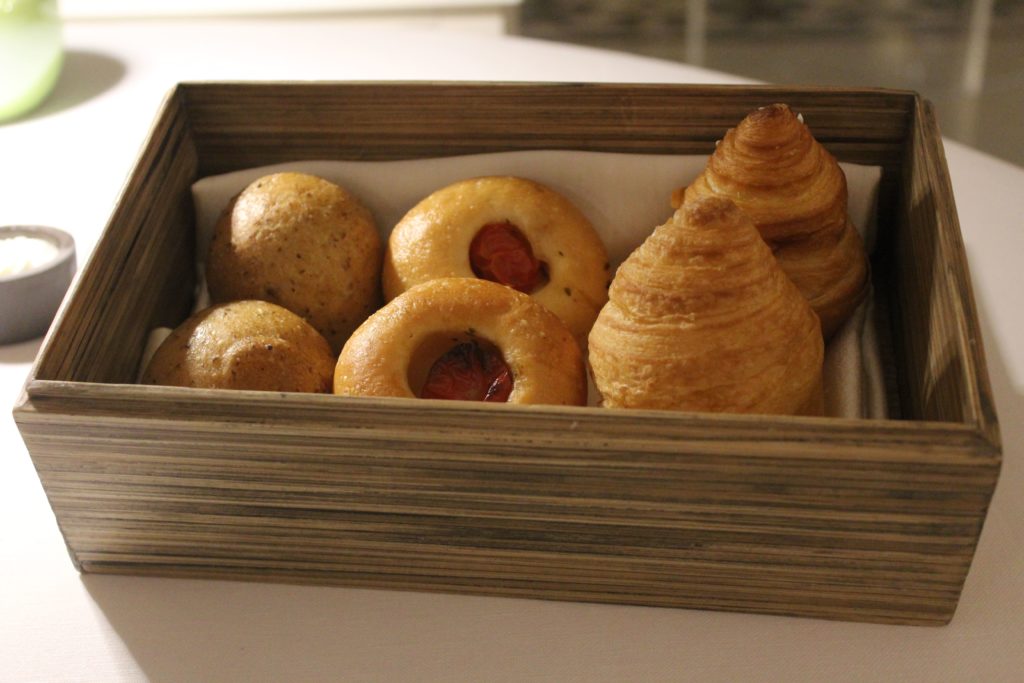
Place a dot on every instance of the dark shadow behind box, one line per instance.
(821, 517)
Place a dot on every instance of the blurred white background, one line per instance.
(964, 55)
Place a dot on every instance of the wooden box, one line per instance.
(873, 520)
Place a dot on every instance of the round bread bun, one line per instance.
(434, 240)
(244, 345)
(301, 242)
(396, 351)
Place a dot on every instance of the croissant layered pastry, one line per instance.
(702, 318)
(795, 193)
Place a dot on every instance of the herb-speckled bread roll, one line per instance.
(244, 345)
(301, 242)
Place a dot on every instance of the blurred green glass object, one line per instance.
(30, 54)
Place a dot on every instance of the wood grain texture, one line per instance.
(241, 125)
(141, 273)
(943, 376)
(822, 517)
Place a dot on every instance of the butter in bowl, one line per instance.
(36, 267)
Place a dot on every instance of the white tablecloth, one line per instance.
(64, 166)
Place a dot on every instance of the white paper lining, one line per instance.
(624, 195)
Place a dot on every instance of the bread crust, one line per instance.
(301, 242)
(433, 241)
(244, 345)
(702, 318)
(398, 343)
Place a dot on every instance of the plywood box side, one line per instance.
(140, 273)
(943, 374)
(584, 430)
(705, 525)
(238, 125)
(978, 390)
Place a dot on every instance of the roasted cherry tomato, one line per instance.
(501, 253)
(469, 372)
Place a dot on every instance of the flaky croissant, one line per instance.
(701, 318)
(795, 193)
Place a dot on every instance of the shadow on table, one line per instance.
(179, 629)
(995, 571)
(225, 631)
(84, 75)
(21, 352)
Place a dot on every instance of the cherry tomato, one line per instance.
(469, 372)
(501, 253)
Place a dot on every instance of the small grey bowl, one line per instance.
(29, 300)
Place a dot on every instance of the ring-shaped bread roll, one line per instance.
(442, 235)
(402, 346)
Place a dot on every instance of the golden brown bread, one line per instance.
(303, 243)
(701, 318)
(434, 240)
(244, 345)
(392, 353)
(795, 193)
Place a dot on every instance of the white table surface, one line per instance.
(65, 164)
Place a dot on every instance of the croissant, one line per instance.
(700, 317)
(795, 192)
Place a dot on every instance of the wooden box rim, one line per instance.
(841, 518)
(981, 429)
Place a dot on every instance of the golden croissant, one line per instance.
(795, 193)
(701, 318)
